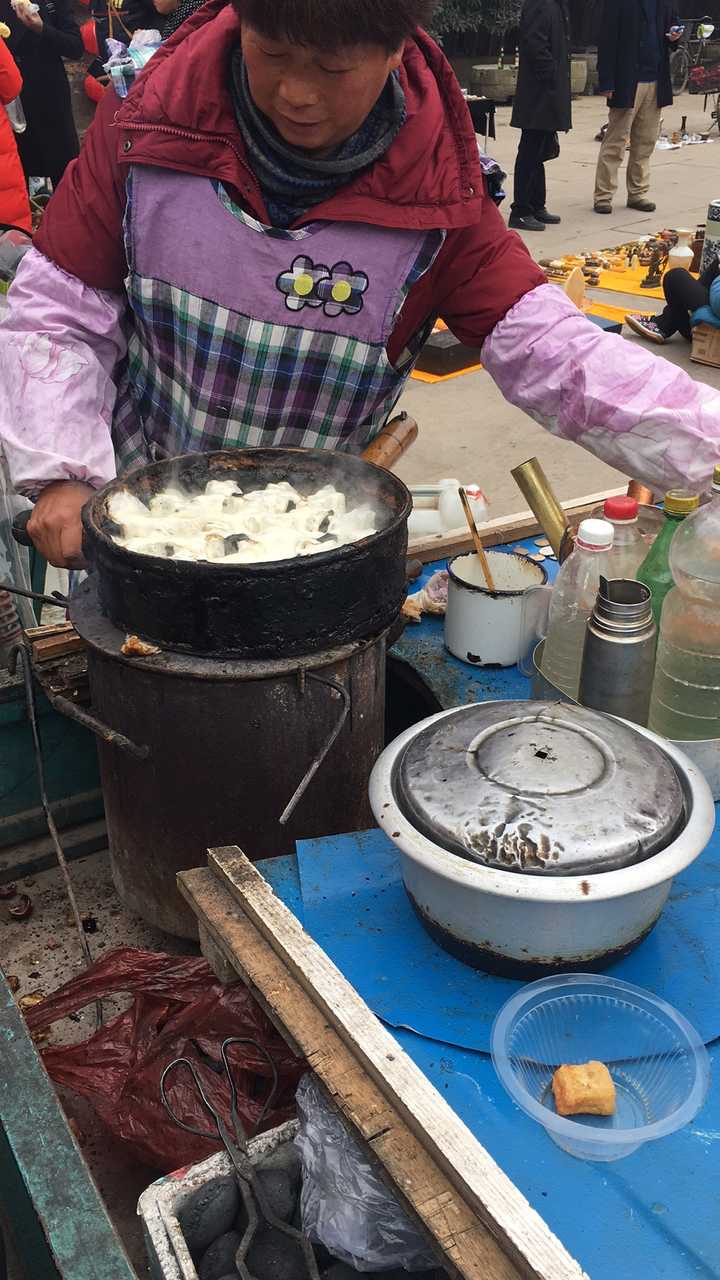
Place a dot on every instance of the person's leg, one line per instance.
(528, 175)
(643, 136)
(684, 295)
(612, 150)
(538, 192)
(527, 163)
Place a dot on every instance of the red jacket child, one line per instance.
(14, 203)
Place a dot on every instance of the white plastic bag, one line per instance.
(16, 115)
(345, 1203)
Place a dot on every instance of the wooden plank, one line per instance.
(471, 1170)
(49, 629)
(465, 1241)
(48, 648)
(59, 1222)
(457, 542)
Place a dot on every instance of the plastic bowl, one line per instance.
(657, 1060)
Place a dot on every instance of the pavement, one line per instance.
(467, 429)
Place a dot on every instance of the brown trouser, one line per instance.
(641, 123)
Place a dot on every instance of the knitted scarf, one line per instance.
(292, 180)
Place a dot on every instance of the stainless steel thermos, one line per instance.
(619, 654)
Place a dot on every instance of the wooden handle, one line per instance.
(393, 441)
(479, 548)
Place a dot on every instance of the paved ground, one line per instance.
(467, 429)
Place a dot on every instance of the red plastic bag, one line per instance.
(179, 1010)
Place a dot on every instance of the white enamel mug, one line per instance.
(488, 628)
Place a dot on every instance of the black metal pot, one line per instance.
(281, 608)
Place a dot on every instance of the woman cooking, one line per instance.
(252, 248)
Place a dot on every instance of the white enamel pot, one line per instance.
(525, 925)
(483, 627)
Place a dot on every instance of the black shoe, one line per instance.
(550, 219)
(602, 208)
(642, 206)
(525, 222)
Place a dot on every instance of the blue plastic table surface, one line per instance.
(653, 1215)
(352, 888)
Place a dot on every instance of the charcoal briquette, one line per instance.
(209, 1212)
(274, 1256)
(278, 1191)
(219, 1259)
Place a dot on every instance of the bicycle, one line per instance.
(690, 51)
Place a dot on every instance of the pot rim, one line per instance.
(92, 519)
(485, 591)
(583, 890)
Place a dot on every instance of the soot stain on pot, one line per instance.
(482, 956)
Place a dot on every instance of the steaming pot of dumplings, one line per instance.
(536, 837)
(251, 553)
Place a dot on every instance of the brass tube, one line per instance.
(535, 487)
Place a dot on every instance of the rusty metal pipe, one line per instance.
(102, 731)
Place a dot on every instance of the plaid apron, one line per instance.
(242, 335)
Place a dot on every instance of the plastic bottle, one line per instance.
(628, 548)
(450, 508)
(573, 599)
(685, 700)
(655, 569)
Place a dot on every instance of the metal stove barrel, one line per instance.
(229, 742)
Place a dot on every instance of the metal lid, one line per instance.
(680, 502)
(539, 788)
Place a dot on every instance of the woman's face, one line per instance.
(315, 100)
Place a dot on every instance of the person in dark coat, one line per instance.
(634, 70)
(39, 42)
(541, 108)
(120, 21)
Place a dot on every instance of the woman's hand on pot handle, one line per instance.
(55, 525)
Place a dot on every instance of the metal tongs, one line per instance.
(251, 1189)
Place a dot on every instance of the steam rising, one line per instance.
(226, 523)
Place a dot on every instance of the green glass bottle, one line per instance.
(655, 568)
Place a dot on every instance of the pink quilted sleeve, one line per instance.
(620, 401)
(59, 344)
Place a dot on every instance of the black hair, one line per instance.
(335, 24)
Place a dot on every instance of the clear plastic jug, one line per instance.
(628, 548)
(685, 701)
(573, 599)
